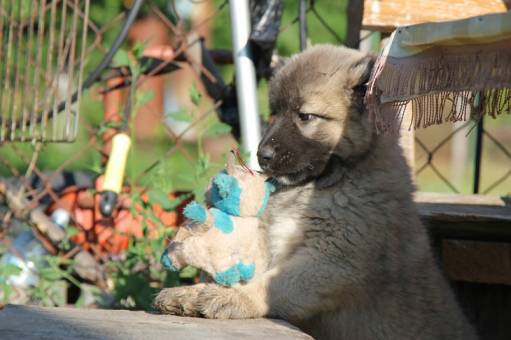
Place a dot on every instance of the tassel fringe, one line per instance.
(443, 84)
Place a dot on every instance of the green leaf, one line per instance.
(195, 95)
(121, 58)
(138, 49)
(198, 194)
(50, 274)
(9, 269)
(218, 128)
(202, 166)
(135, 70)
(143, 97)
(107, 126)
(7, 289)
(188, 272)
(161, 198)
(180, 116)
(71, 231)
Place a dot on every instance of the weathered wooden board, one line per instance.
(481, 262)
(386, 15)
(476, 234)
(28, 322)
(476, 217)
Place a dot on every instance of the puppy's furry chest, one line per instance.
(285, 227)
(284, 234)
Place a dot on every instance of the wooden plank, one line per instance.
(476, 261)
(473, 233)
(29, 322)
(462, 199)
(386, 15)
(466, 217)
(457, 207)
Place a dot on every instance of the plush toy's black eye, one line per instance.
(305, 117)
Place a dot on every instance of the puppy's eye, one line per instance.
(305, 117)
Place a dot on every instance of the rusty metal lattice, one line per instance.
(34, 189)
(43, 49)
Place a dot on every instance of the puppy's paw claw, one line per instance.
(178, 301)
(216, 302)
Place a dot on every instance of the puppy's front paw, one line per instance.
(179, 300)
(217, 302)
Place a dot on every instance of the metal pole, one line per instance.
(245, 79)
(302, 15)
(478, 154)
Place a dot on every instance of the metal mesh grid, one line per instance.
(94, 136)
(43, 46)
(468, 157)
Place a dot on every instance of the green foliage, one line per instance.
(218, 128)
(137, 275)
(195, 95)
(180, 116)
(70, 231)
(55, 277)
(7, 269)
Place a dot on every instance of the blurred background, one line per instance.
(177, 143)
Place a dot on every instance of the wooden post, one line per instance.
(354, 12)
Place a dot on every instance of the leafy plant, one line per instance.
(6, 270)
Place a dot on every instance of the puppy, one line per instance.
(349, 257)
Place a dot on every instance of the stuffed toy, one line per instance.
(224, 240)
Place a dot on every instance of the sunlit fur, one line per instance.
(349, 256)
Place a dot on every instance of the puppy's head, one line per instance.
(316, 101)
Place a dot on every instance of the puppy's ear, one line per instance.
(361, 73)
(277, 63)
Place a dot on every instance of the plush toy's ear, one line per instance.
(166, 261)
(195, 212)
(224, 184)
(231, 161)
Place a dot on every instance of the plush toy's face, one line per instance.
(240, 192)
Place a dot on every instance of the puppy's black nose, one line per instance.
(265, 154)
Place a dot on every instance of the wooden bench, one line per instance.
(472, 237)
(466, 217)
(29, 322)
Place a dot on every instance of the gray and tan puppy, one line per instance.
(349, 256)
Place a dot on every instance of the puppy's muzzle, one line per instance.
(265, 155)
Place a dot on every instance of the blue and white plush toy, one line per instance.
(224, 240)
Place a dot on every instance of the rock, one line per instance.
(29, 322)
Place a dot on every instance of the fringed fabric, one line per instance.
(443, 83)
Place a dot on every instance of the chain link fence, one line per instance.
(468, 157)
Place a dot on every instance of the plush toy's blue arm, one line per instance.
(247, 271)
(195, 212)
(228, 277)
(166, 261)
(224, 183)
(226, 193)
(236, 273)
(222, 221)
